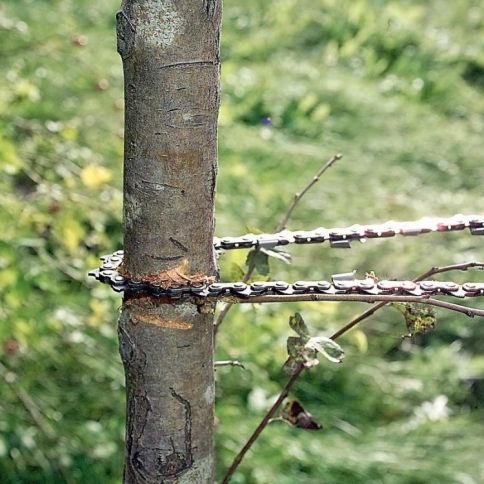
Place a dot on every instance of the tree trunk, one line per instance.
(170, 52)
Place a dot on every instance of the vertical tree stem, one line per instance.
(170, 53)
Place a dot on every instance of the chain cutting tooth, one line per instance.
(411, 229)
(285, 238)
(345, 276)
(267, 241)
(340, 244)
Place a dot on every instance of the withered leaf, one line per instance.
(295, 348)
(290, 366)
(419, 318)
(294, 414)
(296, 322)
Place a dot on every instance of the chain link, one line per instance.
(340, 284)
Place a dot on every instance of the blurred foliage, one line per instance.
(397, 87)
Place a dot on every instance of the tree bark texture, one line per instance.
(170, 53)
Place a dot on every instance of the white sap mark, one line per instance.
(209, 394)
(132, 210)
(158, 22)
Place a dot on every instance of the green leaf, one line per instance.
(278, 254)
(327, 347)
(258, 260)
(236, 272)
(253, 230)
(297, 323)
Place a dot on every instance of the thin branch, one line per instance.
(298, 196)
(218, 364)
(431, 272)
(280, 226)
(368, 298)
(28, 404)
(453, 267)
(290, 383)
(263, 424)
(221, 316)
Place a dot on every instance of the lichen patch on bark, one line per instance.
(161, 22)
(132, 210)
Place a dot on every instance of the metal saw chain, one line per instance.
(340, 284)
(340, 237)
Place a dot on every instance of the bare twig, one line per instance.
(280, 226)
(29, 404)
(263, 424)
(268, 417)
(218, 364)
(298, 196)
(368, 298)
(221, 316)
(431, 272)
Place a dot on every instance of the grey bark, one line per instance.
(170, 53)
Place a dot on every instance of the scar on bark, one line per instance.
(177, 462)
(150, 187)
(157, 320)
(177, 276)
(178, 244)
(211, 8)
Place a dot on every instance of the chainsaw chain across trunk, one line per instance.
(340, 284)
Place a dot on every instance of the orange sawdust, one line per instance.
(157, 320)
(177, 276)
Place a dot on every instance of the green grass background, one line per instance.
(396, 86)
